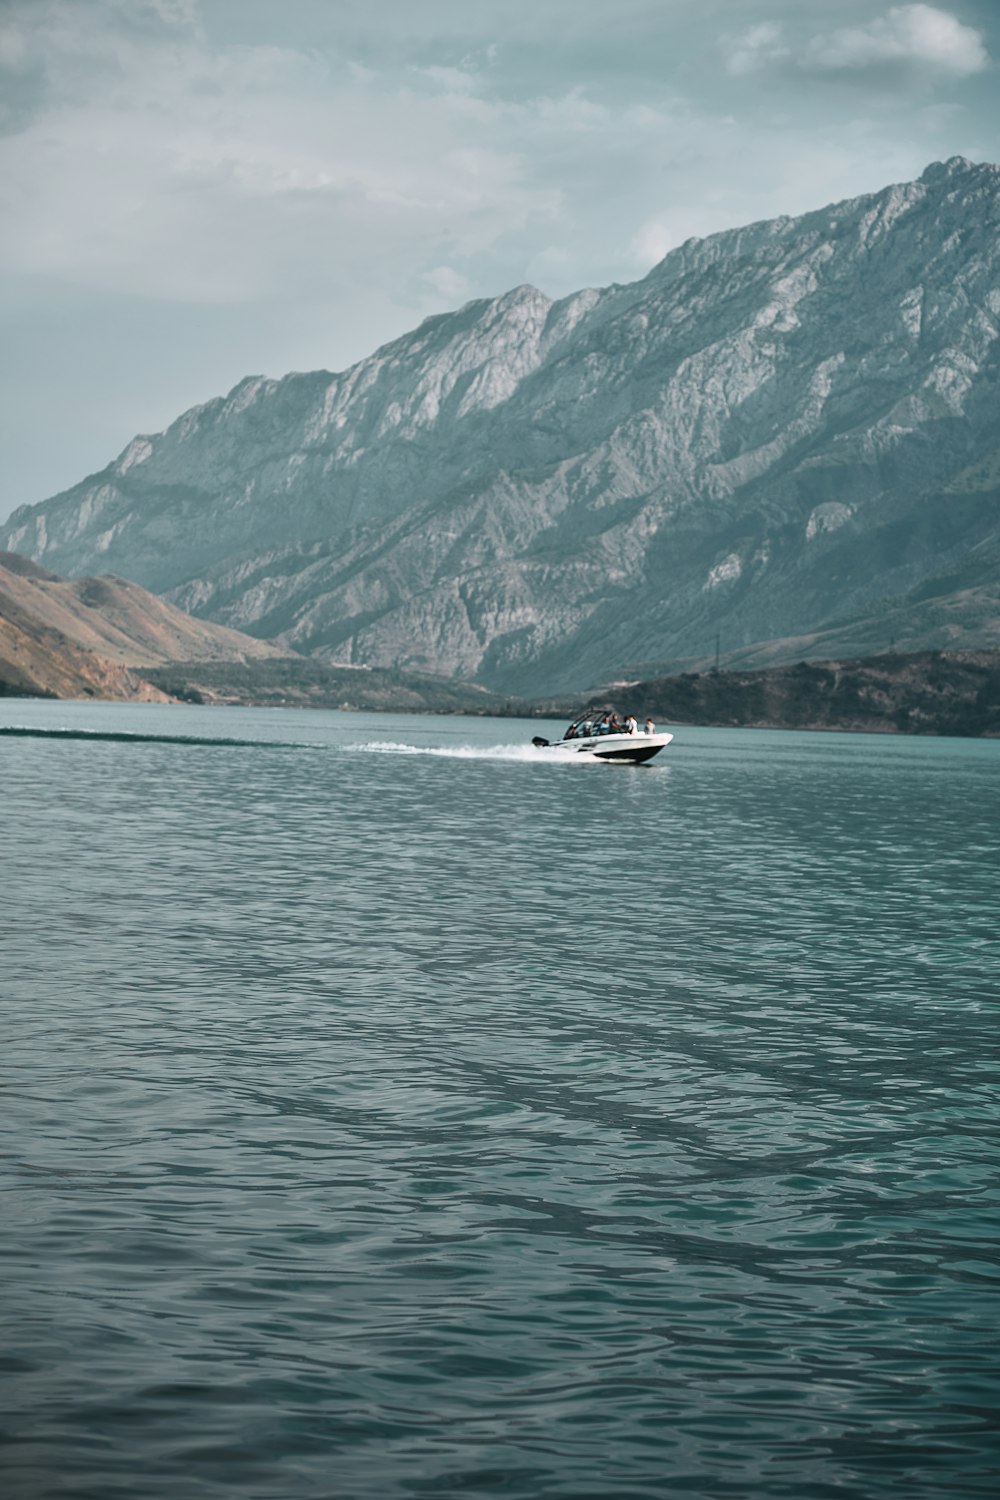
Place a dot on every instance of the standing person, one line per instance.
(630, 724)
(650, 727)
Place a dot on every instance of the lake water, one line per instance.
(390, 1113)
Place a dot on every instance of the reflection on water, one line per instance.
(392, 1113)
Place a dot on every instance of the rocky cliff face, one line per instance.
(781, 431)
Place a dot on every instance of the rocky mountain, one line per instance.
(94, 637)
(786, 437)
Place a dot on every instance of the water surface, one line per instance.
(391, 1113)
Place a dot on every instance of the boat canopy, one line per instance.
(588, 721)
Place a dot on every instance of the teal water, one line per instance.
(389, 1113)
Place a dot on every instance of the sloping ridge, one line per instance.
(86, 637)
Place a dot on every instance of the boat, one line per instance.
(599, 734)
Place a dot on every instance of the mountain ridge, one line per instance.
(761, 437)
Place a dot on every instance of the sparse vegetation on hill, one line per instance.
(300, 682)
(925, 692)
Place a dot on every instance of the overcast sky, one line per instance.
(196, 190)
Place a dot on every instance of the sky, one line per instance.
(192, 191)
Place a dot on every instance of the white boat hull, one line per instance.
(632, 749)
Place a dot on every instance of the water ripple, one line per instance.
(389, 1116)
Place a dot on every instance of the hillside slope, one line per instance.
(928, 692)
(83, 638)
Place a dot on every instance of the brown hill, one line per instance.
(71, 638)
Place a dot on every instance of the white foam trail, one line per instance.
(473, 752)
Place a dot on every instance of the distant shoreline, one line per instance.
(930, 693)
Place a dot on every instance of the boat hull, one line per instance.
(629, 749)
(641, 749)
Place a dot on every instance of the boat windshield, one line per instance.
(588, 723)
(602, 719)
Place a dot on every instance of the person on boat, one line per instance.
(650, 727)
(631, 724)
(614, 724)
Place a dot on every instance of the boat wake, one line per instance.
(530, 753)
(373, 747)
(129, 737)
(468, 752)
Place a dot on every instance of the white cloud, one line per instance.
(915, 34)
(451, 80)
(573, 111)
(158, 162)
(170, 12)
(551, 265)
(652, 241)
(222, 175)
(656, 237)
(448, 286)
(755, 49)
(13, 49)
(905, 34)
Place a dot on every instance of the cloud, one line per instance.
(451, 80)
(156, 165)
(448, 287)
(156, 162)
(13, 49)
(919, 34)
(656, 237)
(755, 49)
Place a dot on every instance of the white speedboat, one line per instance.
(600, 735)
